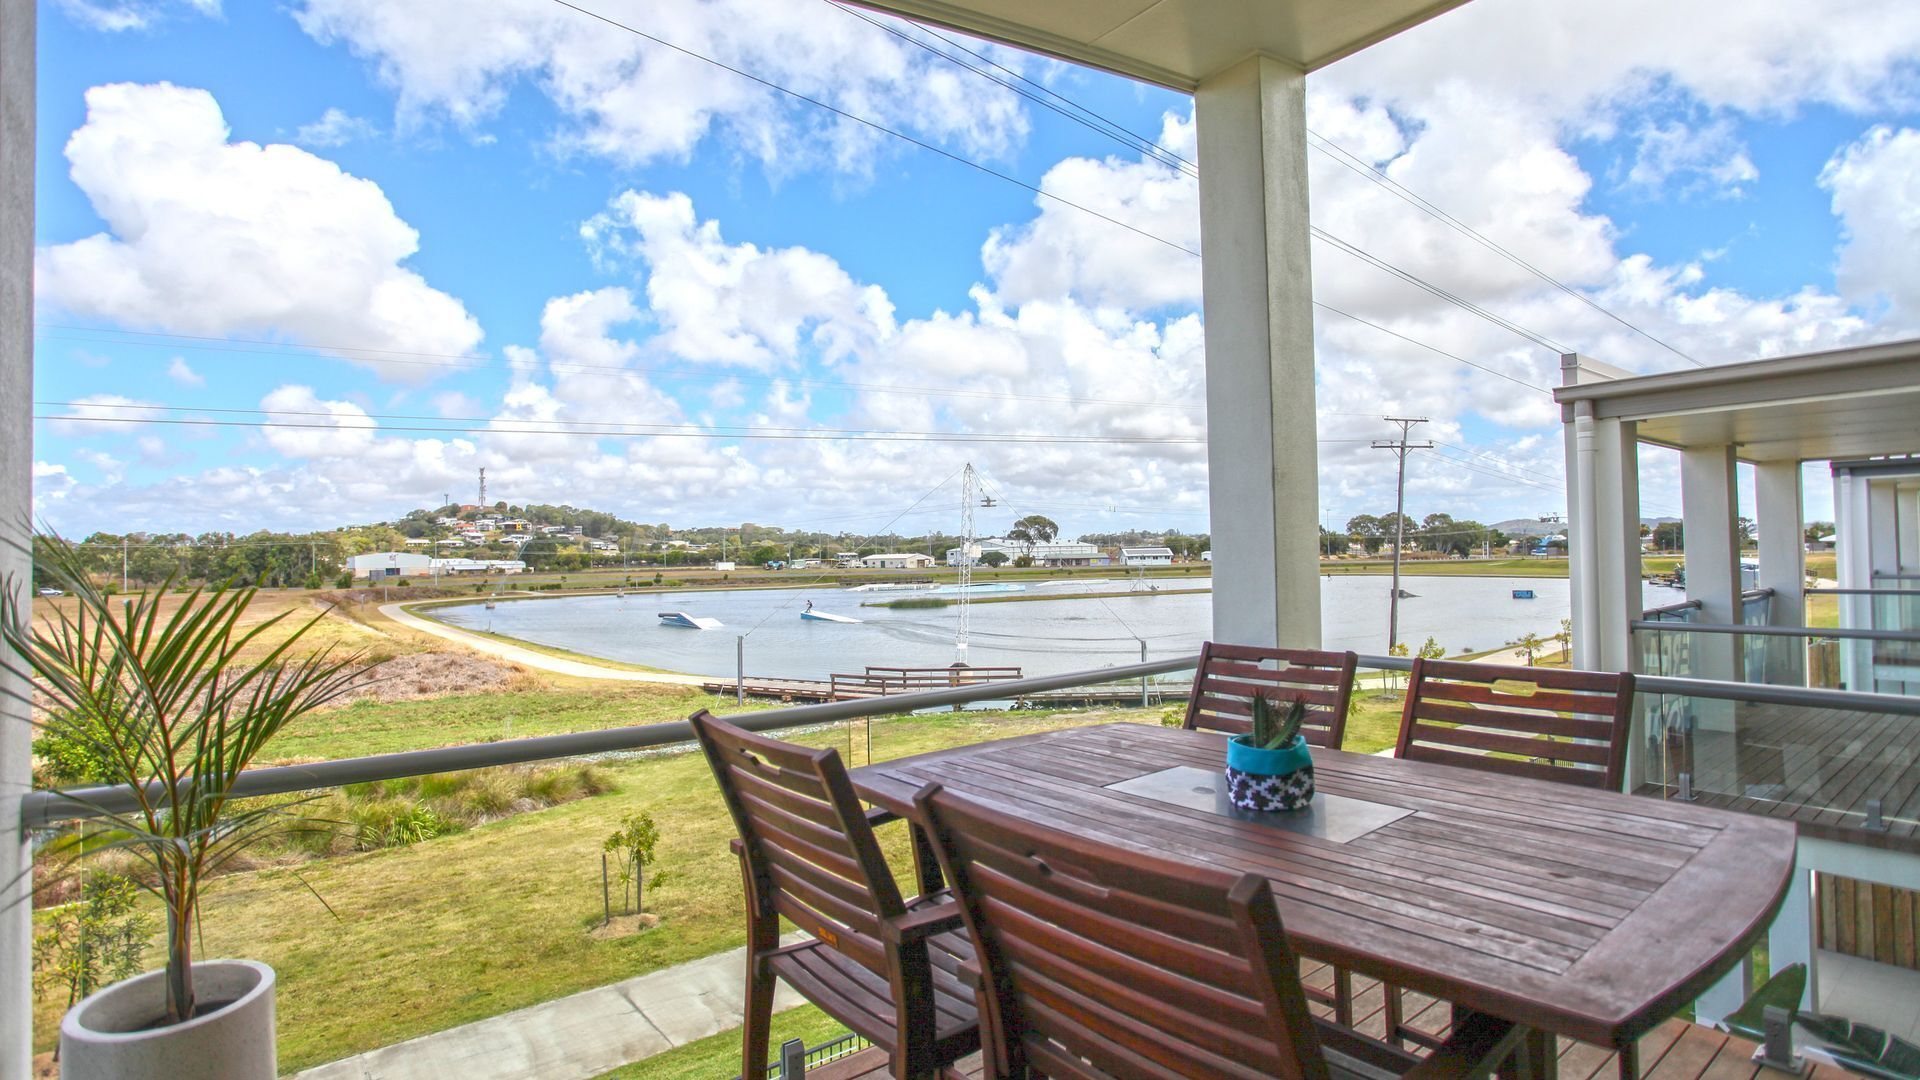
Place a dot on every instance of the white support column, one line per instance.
(1710, 507)
(1907, 525)
(1883, 528)
(1617, 497)
(1783, 564)
(1725, 996)
(1603, 526)
(16, 502)
(1853, 569)
(1790, 940)
(1262, 457)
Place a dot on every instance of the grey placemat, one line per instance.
(1329, 817)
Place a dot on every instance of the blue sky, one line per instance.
(472, 214)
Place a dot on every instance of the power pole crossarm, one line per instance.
(1400, 449)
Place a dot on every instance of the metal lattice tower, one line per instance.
(967, 483)
(483, 488)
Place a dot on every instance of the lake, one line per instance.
(1043, 637)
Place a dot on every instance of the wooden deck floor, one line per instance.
(1817, 767)
(1675, 1051)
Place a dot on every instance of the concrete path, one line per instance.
(576, 1037)
(528, 657)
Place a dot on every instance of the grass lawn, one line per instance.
(467, 926)
(560, 705)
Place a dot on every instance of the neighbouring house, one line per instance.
(418, 541)
(898, 560)
(1744, 434)
(378, 565)
(1146, 556)
(479, 566)
(1063, 553)
(846, 559)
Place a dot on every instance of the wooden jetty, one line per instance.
(877, 681)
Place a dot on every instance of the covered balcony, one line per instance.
(1828, 733)
(1855, 795)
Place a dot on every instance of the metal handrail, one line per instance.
(40, 809)
(1767, 694)
(1747, 630)
(1863, 592)
(1672, 609)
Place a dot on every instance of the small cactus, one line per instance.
(1274, 729)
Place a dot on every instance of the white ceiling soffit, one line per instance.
(1859, 402)
(1175, 43)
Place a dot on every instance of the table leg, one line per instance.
(1537, 1058)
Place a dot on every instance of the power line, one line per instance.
(1503, 462)
(1432, 349)
(453, 361)
(719, 430)
(825, 435)
(1104, 125)
(1359, 165)
(874, 124)
(1090, 120)
(1427, 286)
(1318, 232)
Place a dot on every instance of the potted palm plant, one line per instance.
(170, 706)
(1269, 768)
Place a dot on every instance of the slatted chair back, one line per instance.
(1103, 962)
(1230, 676)
(812, 855)
(1546, 723)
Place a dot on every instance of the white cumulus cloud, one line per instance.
(633, 100)
(209, 236)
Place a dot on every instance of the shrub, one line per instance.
(437, 785)
(490, 793)
(69, 755)
(98, 940)
(555, 786)
(397, 823)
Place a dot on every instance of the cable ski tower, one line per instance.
(967, 485)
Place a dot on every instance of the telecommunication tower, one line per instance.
(966, 559)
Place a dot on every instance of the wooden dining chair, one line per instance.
(1231, 676)
(1545, 723)
(1557, 724)
(1097, 962)
(1224, 685)
(887, 968)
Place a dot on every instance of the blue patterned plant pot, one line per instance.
(1268, 780)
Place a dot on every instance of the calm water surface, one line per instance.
(1042, 637)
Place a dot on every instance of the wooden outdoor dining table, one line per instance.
(1590, 914)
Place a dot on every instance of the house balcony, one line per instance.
(616, 1021)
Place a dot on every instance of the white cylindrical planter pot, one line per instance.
(108, 1036)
